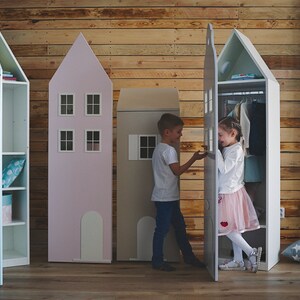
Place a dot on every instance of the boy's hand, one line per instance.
(199, 155)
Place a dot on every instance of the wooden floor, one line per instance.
(130, 280)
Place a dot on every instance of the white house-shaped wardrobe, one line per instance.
(137, 135)
(80, 159)
(239, 83)
(14, 147)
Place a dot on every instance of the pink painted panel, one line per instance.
(79, 181)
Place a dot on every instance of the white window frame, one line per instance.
(59, 140)
(134, 145)
(60, 105)
(86, 140)
(147, 147)
(86, 105)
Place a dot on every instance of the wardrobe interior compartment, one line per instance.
(250, 94)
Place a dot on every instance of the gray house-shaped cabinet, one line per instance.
(137, 135)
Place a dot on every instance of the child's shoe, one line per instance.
(164, 267)
(194, 261)
(254, 259)
(233, 266)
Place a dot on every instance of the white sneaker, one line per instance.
(233, 266)
(254, 259)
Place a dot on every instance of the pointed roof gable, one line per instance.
(81, 60)
(9, 62)
(240, 56)
(148, 99)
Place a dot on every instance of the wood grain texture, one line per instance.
(131, 280)
(156, 43)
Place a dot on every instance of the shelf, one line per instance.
(14, 223)
(14, 258)
(13, 153)
(12, 83)
(239, 85)
(247, 81)
(14, 188)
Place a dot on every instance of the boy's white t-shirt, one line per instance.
(165, 182)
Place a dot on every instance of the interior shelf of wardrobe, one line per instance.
(13, 153)
(13, 82)
(14, 258)
(14, 188)
(250, 85)
(14, 223)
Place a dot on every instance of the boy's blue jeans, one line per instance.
(168, 213)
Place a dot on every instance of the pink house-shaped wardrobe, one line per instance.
(80, 159)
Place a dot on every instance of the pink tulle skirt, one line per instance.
(236, 213)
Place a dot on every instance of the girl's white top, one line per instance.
(231, 169)
(165, 182)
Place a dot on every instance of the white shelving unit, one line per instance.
(239, 56)
(14, 117)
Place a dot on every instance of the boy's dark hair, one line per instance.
(228, 123)
(168, 121)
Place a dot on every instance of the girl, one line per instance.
(236, 211)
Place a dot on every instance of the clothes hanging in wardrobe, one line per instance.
(252, 117)
(257, 138)
(245, 116)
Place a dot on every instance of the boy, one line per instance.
(166, 169)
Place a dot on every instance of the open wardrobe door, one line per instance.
(210, 164)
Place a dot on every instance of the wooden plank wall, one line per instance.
(157, 43)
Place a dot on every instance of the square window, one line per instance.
(93, 105)
(66, 105)
(93, 140)
(146, 146)
(66, 140)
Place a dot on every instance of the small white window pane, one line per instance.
(147, 145)
(205, 102)
(66, 105)
(66, 141)
(93, 140)
(211, 139)
(97, 110)
(93, 104)
(210, 100)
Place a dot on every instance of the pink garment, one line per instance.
(236, 213)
